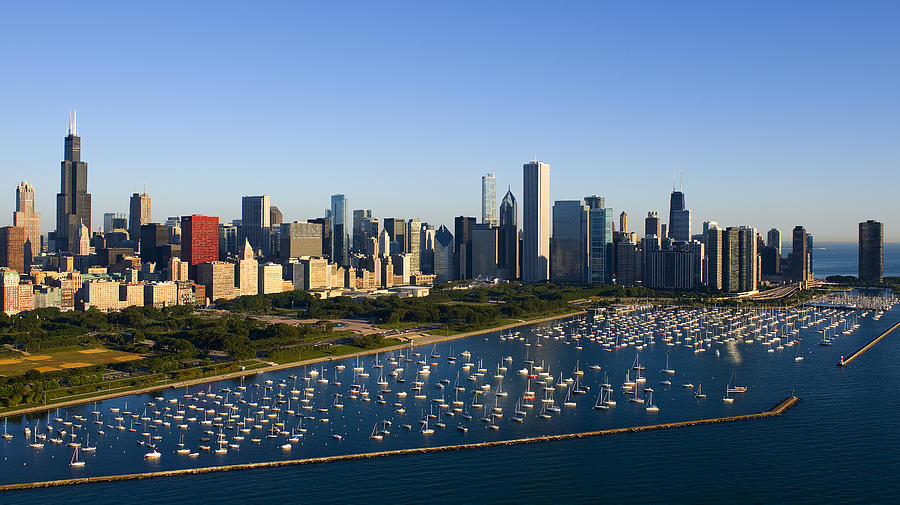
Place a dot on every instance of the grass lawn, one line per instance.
(51, 360)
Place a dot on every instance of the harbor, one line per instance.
(585, 375)
(778, 410)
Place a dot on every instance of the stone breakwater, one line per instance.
(779, 409)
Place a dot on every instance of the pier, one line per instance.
(845, 362)
(779, 409)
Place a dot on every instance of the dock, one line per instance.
(863, 349)
(779, 409)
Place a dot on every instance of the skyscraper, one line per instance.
(443, 255)
(462, 247)
(714, 256)
(679, 218)
(413, 242)
(155, 243)
(340, 232)
(773, 239)
(747, 261)
(12, 248)
(799, 255)
(731, 264)
(396, 229)
(139, 214)
(199, 241)
(536, 222)
(360, 217)
(73, 202)
(508, 238)
(623, 222)
(871, 252)
(489, 199)
(652, 225)
(569, 242)
(256, 223)
(600, 239)
(27, 218)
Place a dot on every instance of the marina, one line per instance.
(674, 366)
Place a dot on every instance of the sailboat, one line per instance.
(650, 406)
(728, 399)
(87, 445)
(6, 435)
(699, 393)
(668, 370)
(375, 434)
(798, 357)
(75, 461)
(733, 387)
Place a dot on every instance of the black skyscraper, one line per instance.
(73, 203)
(871, 252)
(508, 243)
(462, 253)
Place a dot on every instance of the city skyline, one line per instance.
(789, 117)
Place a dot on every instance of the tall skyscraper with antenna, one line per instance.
(679, 217)
(73, 202)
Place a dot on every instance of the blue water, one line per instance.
(841, 258)
(838, 444)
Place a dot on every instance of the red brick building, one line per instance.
(199, 241)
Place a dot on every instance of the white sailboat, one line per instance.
(75, 461)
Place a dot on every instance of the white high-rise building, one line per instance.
(536, 222)
(489, 200)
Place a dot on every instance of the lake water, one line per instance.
(841, 258)
(838, 444)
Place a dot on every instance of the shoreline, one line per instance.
(421, 340)
(777, 410)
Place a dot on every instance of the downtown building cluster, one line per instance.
(194, 259)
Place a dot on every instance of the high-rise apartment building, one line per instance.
(489, 200)
(9, 291)
(256, 223)
(73, 202)
(199, 241)
(26, 217)
(799, 255)
(871, 252)
(536, 222)
(714, 256)
(139, 214)
(340, 231)
(508, 238)
(748, 273)
(773, 239)
(12, 248)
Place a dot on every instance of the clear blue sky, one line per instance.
(778, 113)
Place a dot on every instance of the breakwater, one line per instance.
(779, 409)
(863, 349)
